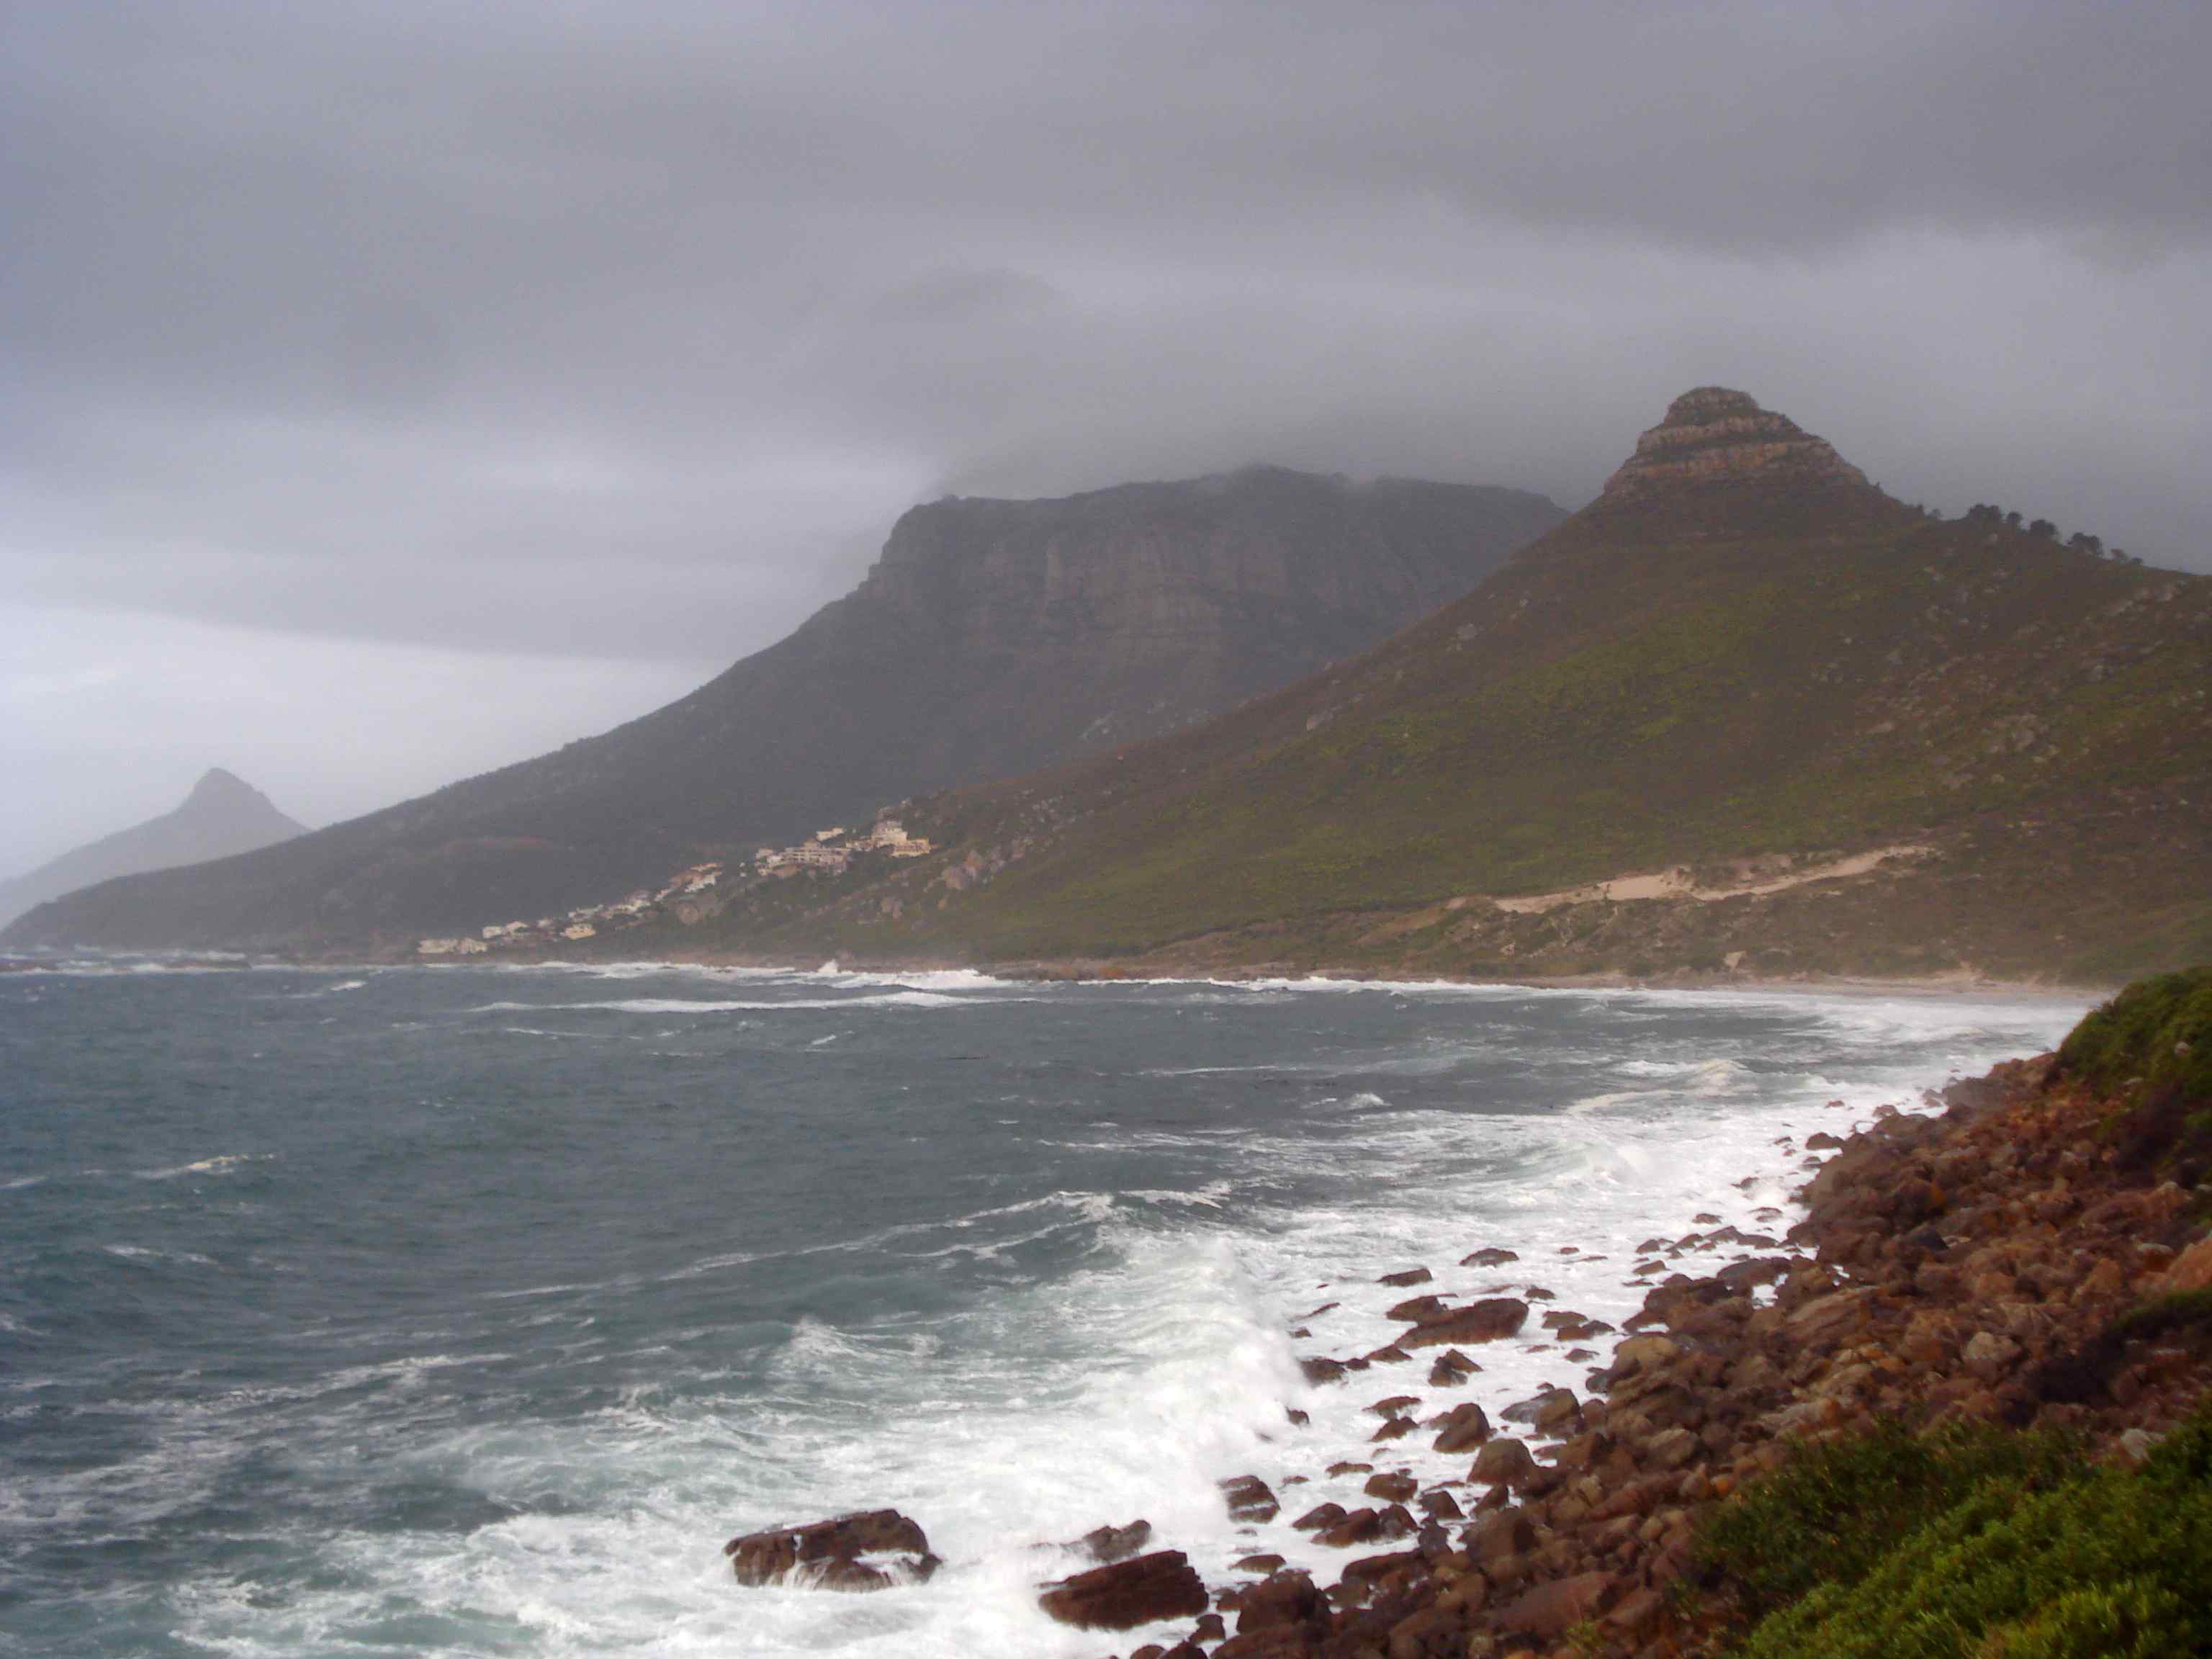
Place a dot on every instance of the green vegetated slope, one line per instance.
(1973, 1541)
(1743, 677)
(2153, 1041)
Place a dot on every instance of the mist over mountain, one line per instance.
(223, 815)
(991, 637)
(1745, 712)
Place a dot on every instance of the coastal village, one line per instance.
(692, 894)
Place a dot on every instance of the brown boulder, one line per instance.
(1555, 1608)
(1450, 1369)
(1989, 1356)
(1437, 1632)
(1499, 1535)
(1249, 1498)
(1414, 1310)
(1392, 1488)
(1462, 1428)
(1139, 1591)
(1492, 1257)
(1367, 1526)
(1410, 1276)
(1488, 1321)
(2193, 1268)
(1287, 1598)
(826, 1554)
(1502, 1464)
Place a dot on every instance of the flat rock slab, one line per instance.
(1488, 1321)
(1141, 1590)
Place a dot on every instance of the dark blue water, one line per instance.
(466, 1311)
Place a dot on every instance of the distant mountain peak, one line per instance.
(1717, 441)
(224, 815)
(218, 785)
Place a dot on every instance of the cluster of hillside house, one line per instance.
(689, 895)
(681, 890)
(834, 848)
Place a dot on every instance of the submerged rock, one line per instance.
(1249, 1498)
(1107, 1545)
(869, 1550)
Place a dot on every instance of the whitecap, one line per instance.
(222, 1164)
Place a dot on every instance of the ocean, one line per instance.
(468, 1310)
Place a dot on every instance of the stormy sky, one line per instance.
(398, 389)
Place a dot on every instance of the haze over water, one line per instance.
(467, 1311)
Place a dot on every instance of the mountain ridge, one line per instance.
(1741, 661)
(990, 637)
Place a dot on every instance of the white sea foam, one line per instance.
(223, 1164)
(143, 1253)
(908, 999)
(1127, 1387)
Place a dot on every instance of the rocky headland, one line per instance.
(1973, 1376)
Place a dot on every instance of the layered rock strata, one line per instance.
(1715, 435)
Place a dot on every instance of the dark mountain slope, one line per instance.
(1740, 667)
(991, 637)
(222, 814)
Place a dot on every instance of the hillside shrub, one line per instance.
(1987, 1552)
(2154, 1037)
(1832, 1512)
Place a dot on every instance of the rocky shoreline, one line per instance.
(1990, 1262)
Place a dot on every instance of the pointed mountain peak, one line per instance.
(1717, 448)
(221, 797)
(217, 786)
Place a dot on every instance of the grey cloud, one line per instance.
(626, 330)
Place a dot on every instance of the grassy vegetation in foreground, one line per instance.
(2153, 1040)
(1973, 1544)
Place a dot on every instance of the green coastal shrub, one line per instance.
(1829, 1514)
(2156, 1034)
(2100, 1561)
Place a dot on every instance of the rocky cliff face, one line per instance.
(991, 637)
(1104, 617)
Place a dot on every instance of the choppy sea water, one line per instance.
(467, 1310)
